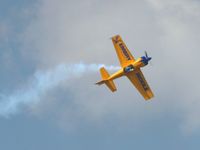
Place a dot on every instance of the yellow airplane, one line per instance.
(130, 68)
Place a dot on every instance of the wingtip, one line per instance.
(116, 35)
(149, 98)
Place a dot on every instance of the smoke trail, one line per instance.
(41, 83)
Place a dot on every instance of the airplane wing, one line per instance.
(138, 80)
(123, 53)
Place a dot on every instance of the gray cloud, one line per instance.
(179, 21)
(68, 32)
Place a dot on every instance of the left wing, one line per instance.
(138, 80)
(123, 53)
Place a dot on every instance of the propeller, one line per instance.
(146, 54)
(147, 57)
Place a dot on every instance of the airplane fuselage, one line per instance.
(140, 62)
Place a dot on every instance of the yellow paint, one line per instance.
(135, 75)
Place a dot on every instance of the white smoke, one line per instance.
(42, 82)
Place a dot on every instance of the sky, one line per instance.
(50, 54)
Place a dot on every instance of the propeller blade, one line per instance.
(146, 54)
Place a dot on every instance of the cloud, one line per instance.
(70, 32)
(178, 21)
(61, 34)
(42, 83)
(177, 7)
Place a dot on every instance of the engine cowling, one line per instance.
(144, 60)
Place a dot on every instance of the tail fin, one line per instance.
(110, 84)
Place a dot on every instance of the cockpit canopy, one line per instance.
(128, 68)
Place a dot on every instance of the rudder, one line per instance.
(104, 74)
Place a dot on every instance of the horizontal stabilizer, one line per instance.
(110, 84)
(100, 82)
(105, 76)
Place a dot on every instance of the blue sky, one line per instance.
(45, 104)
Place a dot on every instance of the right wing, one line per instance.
(123, 53)
(138, 80)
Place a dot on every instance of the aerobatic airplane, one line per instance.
(130, 68)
